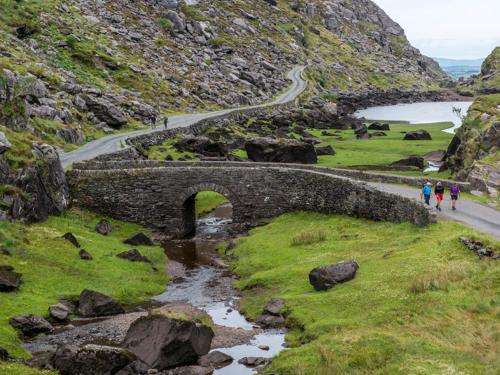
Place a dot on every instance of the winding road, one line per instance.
(477, 216)
(113, 143)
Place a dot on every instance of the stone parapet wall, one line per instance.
(162, 197)
(350, 173)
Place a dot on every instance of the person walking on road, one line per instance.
(439, 192)
(454, 192)
(165, 122)
(426, 192)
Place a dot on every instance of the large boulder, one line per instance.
(418, 135)
(215, 359)
(91, 360)
(139, 239)
(31, 325)
(105, 111)
(412, 161)
(201, 145)
(325, 150)
(379, 126)
(270, 150)
(92, 304)
(163, 343)
(9, 280)
(323, 278)
(272, 316)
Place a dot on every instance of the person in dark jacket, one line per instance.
(439, 192)
(454, 192)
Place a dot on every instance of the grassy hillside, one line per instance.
(52, 269)
(421, 302)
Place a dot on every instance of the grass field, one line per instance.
(52, 269)
(381, 151)
(207, 201)
(421, 302)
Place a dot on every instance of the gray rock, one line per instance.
(274, 306)
(326, 277)
(412, 161)
(253, 362)
(91, 360)
(162, 343)
(139, 239)
(103, 227)
(190, 370)
(179, 25)
(5, 145)
(71, 135)
(70, 237)
(93, 304)
(418, 135)
(59, 312)
(379, 126)
(31, 325)
(325, 150)
(280, 151)
(134, 255)
(215, 359)
(84, 255)
(105, 111)
(10, 281)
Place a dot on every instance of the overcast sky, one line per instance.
(461, 29)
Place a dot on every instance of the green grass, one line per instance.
(381, 151)
(207, 201)
(421, 302)
(52, 269)
(18, 369)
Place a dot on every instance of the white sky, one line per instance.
(460, 29)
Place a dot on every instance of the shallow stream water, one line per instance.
(199, 288)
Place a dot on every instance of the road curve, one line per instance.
(114, 142)
(474, 215)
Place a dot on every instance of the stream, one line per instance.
(201, 288)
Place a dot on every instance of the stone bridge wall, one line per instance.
(162, 197)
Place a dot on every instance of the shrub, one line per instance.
(166, 23)
(309, 237)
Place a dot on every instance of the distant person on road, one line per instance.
(426, 192)
(165, 122)
(422, 191)
(439, 192)
(454, 192)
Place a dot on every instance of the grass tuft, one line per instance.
(439, 280)
(309, 237)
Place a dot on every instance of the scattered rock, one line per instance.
(378, 134)
(481, 250)
(139, 239)
(326, 277)
(274, 306)
(59, 312)
(325, 150)
(5, 145)
(190, 370)
(31, 325)
(134, 256)
(103, 227)
(263, 347)
(91, 360)
(4, 354)
(162, 342)
(10, 281)
(361, 131)
(379, 126)
(215, 359)
(92, 304)
(85, 255)
(253, 362)
(412, 161)
(70, 237)
(418, 135)
(271, 321)
(270, 150)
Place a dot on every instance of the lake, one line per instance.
(417, 113)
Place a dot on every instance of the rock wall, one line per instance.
(163, 197)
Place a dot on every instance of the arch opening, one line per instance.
(205, 211)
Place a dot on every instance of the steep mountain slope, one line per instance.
(474, 151)
(73, 70)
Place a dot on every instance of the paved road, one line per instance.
(482, 218)
(114, 142)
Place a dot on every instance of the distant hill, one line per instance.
(460, 68)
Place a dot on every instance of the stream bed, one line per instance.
(206, 286)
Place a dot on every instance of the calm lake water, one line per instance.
(418, 113)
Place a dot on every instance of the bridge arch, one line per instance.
(188, 200)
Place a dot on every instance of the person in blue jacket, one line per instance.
(426, 192)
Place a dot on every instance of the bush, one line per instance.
(166, 23)
(309, 237)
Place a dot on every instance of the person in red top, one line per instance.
(439, 192)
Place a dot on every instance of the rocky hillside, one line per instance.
(74, 70)
(474, 151)
(488, 81)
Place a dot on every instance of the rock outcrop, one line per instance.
(31, 325)
(92, 304)
(280, 151)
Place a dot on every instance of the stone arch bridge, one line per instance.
(160, 194)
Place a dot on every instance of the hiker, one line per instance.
(439, 191)
(426, 192)
(165, 122)
(422, 191)
(454, 192)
